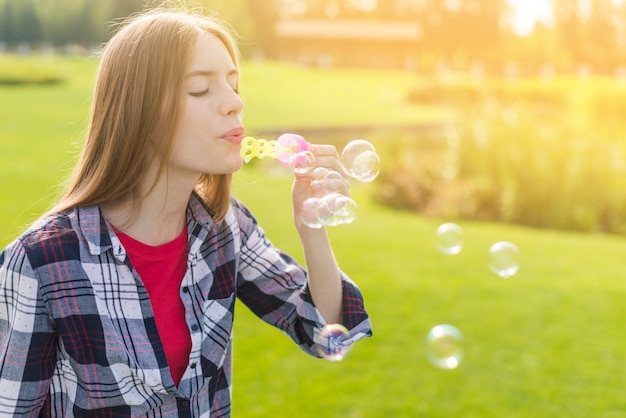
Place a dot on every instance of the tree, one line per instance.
(600, 35)
(264, 16)
(31, 29)
(19, 22)
(7, 33)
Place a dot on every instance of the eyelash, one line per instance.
(206, 91)
(200, 93)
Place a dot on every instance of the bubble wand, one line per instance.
(328, 206)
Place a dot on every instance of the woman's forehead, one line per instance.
(210, 56)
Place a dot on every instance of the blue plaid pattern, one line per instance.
(77, 330)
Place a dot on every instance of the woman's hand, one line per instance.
(323, 274)
(326, 156)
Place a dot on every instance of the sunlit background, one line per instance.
(490, 246)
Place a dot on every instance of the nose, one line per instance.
(233, 105)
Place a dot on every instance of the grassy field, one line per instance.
(544, 343)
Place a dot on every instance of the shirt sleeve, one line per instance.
(274, 286)
(27, 338)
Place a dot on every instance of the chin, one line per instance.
(231, 166)
(237, 164)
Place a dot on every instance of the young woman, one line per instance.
(119, 302)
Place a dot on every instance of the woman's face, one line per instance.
(210, 130)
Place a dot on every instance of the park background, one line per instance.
(510, 125)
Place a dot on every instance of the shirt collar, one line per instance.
(198, 211)
(100, 236)
(97, 231)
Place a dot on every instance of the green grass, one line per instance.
(40, 128)
(283, 96)
(547, 342)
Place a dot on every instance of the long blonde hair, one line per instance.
(136, 103)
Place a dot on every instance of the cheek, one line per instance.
(193, 128)
(193, 118)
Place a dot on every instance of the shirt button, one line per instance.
(192, 365)
(195, 327)
(186, 289)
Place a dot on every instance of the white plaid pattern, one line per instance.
(77, 331)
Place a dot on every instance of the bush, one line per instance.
(18, 70)
(542, 157)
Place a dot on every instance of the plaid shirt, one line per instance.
(77, 330)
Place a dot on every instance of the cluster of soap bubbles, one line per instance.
(327, 206)
(444, 342)
(331, 342)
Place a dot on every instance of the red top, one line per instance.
(162, 269)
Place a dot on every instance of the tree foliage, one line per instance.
(458, 32)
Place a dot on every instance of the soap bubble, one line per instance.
(343, 209)
(503, 257)
(302, 162)
(330, 210)
(360, 160)
(314, 214)
(318, 173)
(318, 188)
(444, 346)
(333, 182)
(450, 238)
(330, 342)
(365, 166)
(318, 185)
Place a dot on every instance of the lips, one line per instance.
(235, 135)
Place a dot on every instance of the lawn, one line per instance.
(543, 343)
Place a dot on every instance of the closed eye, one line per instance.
(199, 93)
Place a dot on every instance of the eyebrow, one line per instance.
(206, 73)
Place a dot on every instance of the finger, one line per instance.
(328, 157)
(324, 150)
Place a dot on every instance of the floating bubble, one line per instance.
(302, 162)
(318, 188)
(343, 209)
(333, 182)
(314, 213)
(360, 160)
(318, 173)
(317, 184)
(444, 346)
(329, 210)
(331, 342)
(450, 238)
(503, 259)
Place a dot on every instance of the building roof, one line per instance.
(348, 29)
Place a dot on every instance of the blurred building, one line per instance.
(349, 43)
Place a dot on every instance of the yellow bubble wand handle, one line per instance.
(285, 149)
(259, 148)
